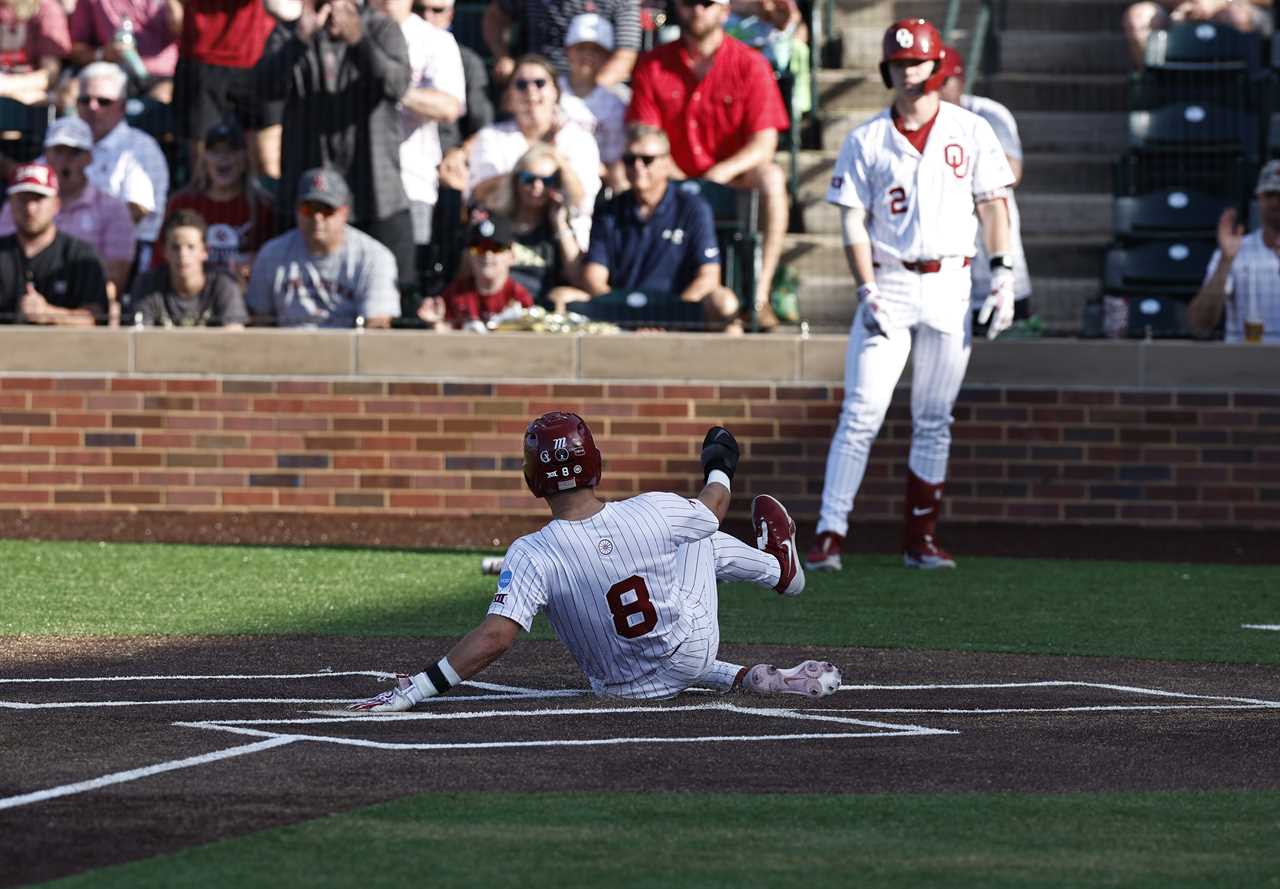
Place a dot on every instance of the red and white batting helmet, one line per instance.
(951, 64)
(915, 40)
(560, 455)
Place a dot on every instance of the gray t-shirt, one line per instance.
(155, 303)
(302, 290)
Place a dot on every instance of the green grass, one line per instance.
(1153, 840)
(1132, 609)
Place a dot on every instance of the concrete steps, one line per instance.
(1027, 52)
(1054, 256)
(1047, 15)
(845, 92)
(1104, 134)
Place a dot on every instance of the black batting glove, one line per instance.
(719, 451)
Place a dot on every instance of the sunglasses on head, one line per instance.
(524, 177)
(536, 82)
(486, 247)
(88, 100)
(647, 159)
(315, 208)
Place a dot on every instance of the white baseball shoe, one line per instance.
(776, 535)
(396, 700)
(813, 679)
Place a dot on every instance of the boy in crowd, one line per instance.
(183, 293)
(485, 287)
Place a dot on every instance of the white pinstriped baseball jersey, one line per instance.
(616, 589)
(920, 206)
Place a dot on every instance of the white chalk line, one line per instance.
(71, 705)
(1155, 692)
(37, 796)
(1260, 626)
(996, 711)
(376, 674)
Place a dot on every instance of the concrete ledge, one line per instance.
(467, 356)
(783, 359)
(54, 350)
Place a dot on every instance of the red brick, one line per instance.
(302, 387)
(417, 390)
(338, 480)
(13, 401)
(219, 479)
(249, 423)
(617, 390)
(80, 496)
(109, 479)
(181, 459)
(370, 424)
(366, 500)
(1089, 511)
(38, 438)
(577, 390)
(57, 402)
(415, 462)
(1018, 432)
(1252, 514)
(989, 509)
(113, 402)
(135, 384)
(24, 458)
(453, 481)
(1147, 512)
(136, 458)
(277, 442)
(414, 425)
(79, 384)
(401, 500)
(53, 477)
(1228, 493)
(385, 480)
(248, 387)
(76, 458)
(390, 406)
(490, 407)
(359, 461)
(719, 409)
(194, 422)
(224, 404)
(313, 499)
(387, 443)
(464, 425)
(191, 386)
(1200, 512)
(302, 424)
(27, 384)
(136, 496)
(221, 442)
(351, 388)
(190, 498)
(1033, 511)
(248, 498)
(1195, 475)
(663, 409)
(497, 482)
(522, 390)
(279, 405)
(168, 403)
(444, 407)
(11, 437)
(164, 479)
(81, 421)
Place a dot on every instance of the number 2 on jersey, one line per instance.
(897, 200)
(623, 611)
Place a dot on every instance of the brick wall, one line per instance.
(385, 447)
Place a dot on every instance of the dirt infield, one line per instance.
(172, 762)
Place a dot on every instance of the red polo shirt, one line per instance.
(712, 119)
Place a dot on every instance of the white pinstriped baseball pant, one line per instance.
(701, 564)
(927, 317)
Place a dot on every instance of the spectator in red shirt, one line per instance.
(33, 42)
(720, 106)
(484, 288)
(240, 215)
(220, 41)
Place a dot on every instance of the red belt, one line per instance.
(929, 266)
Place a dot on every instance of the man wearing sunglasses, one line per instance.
(324, 273)
(654, 260)
(720, 106)
(127, 163)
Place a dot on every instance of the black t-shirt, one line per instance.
(67, 273)
(536, 261)
(155, 303)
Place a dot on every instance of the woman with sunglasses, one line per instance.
(533, 98)
(534, 200)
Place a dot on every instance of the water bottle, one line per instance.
(129, 58)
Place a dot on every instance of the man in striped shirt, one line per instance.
(545, 23)
(629, 586)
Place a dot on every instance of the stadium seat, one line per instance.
(1157, 317)
(1227, 174)
(22, 129)
(1203, 47)
(1169, 213)
(1186, 126)
(1157, 268)
(737, 217)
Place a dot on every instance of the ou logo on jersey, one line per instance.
(955, 158)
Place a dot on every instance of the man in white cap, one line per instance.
(87, 212)
(1243, 278)
(600, 110)
(46, 276)
(544, 25)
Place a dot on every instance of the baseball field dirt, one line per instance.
(119, 757)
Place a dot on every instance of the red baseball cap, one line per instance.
(36, 178)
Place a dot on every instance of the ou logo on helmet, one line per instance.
(954, 157)
(905, 38)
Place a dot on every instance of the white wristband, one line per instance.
(718, 476)
(436, 680)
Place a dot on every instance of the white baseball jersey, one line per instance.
(616, 588)
(920, 206)
(1006, 129)
(1253, 289)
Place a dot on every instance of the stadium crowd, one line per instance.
(343, 163)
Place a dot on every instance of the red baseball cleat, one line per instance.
(776, 535)
(824, 554)
(925, 553)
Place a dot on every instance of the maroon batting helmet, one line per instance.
(559, 455)
(915, 40)
(951, 64)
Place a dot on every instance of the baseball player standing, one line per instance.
(908, 182)
(629, 587)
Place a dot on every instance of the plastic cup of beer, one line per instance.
(1253, 330)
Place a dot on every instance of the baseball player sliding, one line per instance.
(908, 182)
(629, 587)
